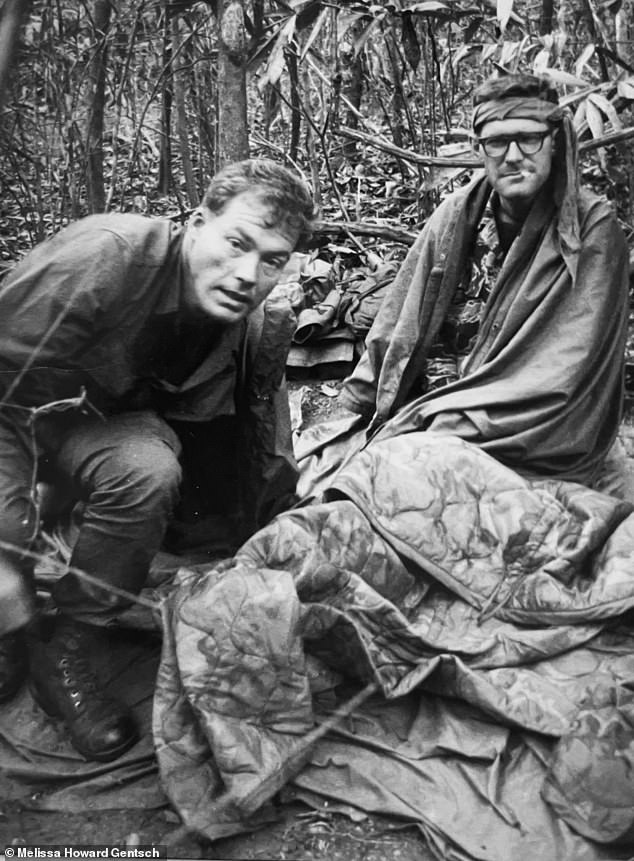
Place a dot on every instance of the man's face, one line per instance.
(232, 259)
(514, 176)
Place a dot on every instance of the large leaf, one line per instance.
(594, 119)
(511, 54)
(347, 19)
(319, 23)
(488, 51)
(625, 89)
(564, 78)
(541, 60)
(582, 60)
(461, 53)
(428, 7)
(504, 10)
(409, 40)
(363, 38)
(579, 119)
(578, 96)
(606, 107)
(277, 61)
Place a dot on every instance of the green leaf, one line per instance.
(323, 15)
(428, 7)
(363, 38)
(606, 107)
(565, 78)
(582, 59)
(541, 60)
(277, 61)
(409, 40)
(504, 9)
(625, 89)
(594, 119)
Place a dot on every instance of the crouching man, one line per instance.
(169, 366)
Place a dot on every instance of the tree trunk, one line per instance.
(165, 167)
(352, 80)
(398, 99)
(180, 78)
(12, 13)
(233, 138)
(311, 149)
(546, 18)
(204, 84)
(296, 106)
(97, 95)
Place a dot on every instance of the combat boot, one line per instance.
(65, 685)
(13, 664)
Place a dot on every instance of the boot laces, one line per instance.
(77, 676)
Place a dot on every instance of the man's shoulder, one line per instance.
(140, 236)
(597, 213)
(443, 222)
(459, 197)
(110, 255)
(456, 202)
(591, 202)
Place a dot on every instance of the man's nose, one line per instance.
(246, 268)
(514, 153)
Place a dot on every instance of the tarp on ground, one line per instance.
(490, 615)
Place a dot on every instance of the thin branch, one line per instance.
(364, 228)
(298, 755)
(607, 140)
(407, 155)
(447, 161)
(62, 568)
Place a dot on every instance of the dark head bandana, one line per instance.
(516, 107)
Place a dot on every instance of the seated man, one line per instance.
(126, 359)
(506, 324)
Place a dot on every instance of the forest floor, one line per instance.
(300, 833)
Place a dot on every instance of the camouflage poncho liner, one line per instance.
(486, 609)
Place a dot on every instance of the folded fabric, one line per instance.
(313, 323)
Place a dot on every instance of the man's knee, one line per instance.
(132, 458)
(143, 470)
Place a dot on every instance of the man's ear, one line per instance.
(197, 218)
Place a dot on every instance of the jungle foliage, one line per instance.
(132, 104)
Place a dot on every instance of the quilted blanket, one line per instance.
(477, 622)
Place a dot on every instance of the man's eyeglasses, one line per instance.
(527, 143)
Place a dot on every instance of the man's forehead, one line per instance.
(517, 125)
(253, 220)
(252, 208)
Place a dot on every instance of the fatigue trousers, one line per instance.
(126, 472)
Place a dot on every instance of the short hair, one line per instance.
(516, 86)
(290, 203)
